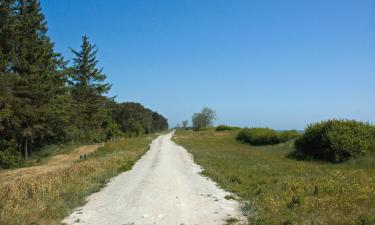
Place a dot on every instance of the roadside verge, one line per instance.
(47, 198)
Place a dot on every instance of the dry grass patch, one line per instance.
(47, 198)
(52, 163)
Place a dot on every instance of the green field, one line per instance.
(277, 189)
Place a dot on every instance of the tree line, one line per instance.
(44, 99)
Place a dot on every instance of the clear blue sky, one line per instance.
(280, 64)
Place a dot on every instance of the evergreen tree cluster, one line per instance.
(45, 100)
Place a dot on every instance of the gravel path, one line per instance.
(164, 187)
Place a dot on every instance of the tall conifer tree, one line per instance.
(88, 89)
(37, 77)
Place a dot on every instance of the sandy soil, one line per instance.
(164, 187)
(55, 162)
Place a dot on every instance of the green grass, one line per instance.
(277, 189)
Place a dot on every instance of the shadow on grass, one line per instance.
(296, 155)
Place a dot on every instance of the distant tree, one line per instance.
(204, 118)
(134, 119)
(159, 122)
(185, 124)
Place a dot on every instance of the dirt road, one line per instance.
(163, 188)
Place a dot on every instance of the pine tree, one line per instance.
(9, 156)
(8, 33)
(37, 78)
(88, 87)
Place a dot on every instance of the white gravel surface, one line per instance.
(164, 187)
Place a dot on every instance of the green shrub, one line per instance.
(366, 220)
(265, 136)
(259, 136)
(9, 156)
(295, 201)
(336, 140)
(225, 127)
(288, 135)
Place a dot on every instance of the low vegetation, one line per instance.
(336, 140)
(225, 127)
(265, 136)
(277, 189)
(48, 198)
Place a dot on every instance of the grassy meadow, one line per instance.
(48, 198)
(277, 189)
